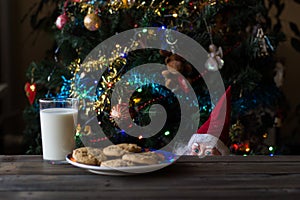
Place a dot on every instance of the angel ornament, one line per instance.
(214, 61)
(261, 39)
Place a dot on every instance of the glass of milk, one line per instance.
(58, 119)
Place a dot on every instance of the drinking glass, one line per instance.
(58, 118)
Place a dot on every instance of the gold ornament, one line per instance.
(92, 22)
(128, 3)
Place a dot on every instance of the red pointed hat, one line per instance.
(216, 125)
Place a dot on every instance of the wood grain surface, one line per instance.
(218, 177)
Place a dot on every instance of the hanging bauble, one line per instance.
(260, 37)
(92, 22)
(61, 21)
(263, 44)
(127, 3)
(30, 90)
(214, 61)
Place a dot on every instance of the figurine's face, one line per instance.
(203, 149)
(212, 48)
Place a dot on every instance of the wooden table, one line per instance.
(234, 177)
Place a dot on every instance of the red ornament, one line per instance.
(61, 21)
(30, 90)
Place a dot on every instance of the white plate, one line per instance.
(121, 171)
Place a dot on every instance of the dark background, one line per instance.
(19, 46)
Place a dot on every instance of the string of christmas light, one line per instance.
(95, 9)
(82, 24)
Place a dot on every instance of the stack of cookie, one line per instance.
(119, 155)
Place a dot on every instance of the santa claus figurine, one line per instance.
(213, 136)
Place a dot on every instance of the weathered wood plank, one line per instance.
(154, 181)
(20, 158)
(170, 193)
(252, 177)
(177, 168)
(39, 168)
(38, 158)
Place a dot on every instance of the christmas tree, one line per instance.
(238, 35)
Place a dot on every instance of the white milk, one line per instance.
(58, 131)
